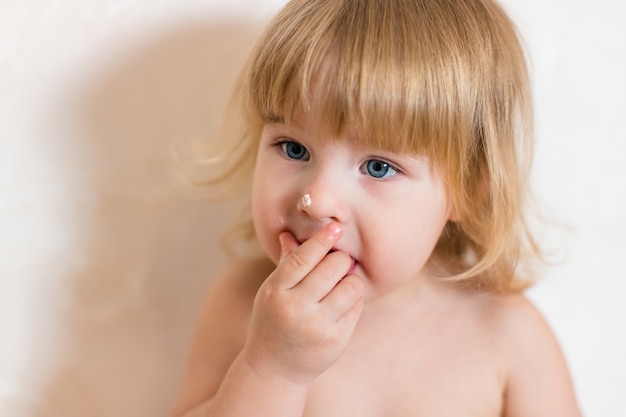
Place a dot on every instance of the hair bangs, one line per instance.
(373, 84)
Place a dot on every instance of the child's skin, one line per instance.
(345, 317)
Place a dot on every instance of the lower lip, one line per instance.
(352, 267)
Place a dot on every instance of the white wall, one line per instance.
(103, 261)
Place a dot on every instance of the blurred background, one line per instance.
(104, 259)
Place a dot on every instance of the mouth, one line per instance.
(352, 266)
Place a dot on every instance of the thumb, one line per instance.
(287, 244)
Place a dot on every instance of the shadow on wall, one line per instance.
(151, 249)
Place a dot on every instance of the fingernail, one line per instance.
(334, 229)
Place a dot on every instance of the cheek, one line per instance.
(412, 234)
(267, 217)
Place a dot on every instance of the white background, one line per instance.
(103, 260)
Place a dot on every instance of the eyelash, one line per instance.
(281, 144)
(364, 168)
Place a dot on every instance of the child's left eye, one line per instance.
(378, 169)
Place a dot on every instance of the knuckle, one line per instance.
(351, 286)
(265, 294)
(334, 339)
(326, 269)
(296, 260)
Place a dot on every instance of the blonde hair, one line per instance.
(442, 78)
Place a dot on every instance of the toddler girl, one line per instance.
(388, 145)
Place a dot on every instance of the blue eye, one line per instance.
(379, 169)
(294, 150)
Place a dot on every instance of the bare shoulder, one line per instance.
(537, 377)
(221, 330)
(512, 315)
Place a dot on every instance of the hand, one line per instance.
(305, 311)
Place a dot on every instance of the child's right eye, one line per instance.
(294, 150)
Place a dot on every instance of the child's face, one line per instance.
(392, 207)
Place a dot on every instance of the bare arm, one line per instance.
(538, 383)
(221, 332)
(246, 393)
(302, 317)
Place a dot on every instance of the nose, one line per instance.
(324, 199)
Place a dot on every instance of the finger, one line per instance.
(288, 244)
(302, 259)
(342, 298)
(348, 321)
(325, 276)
